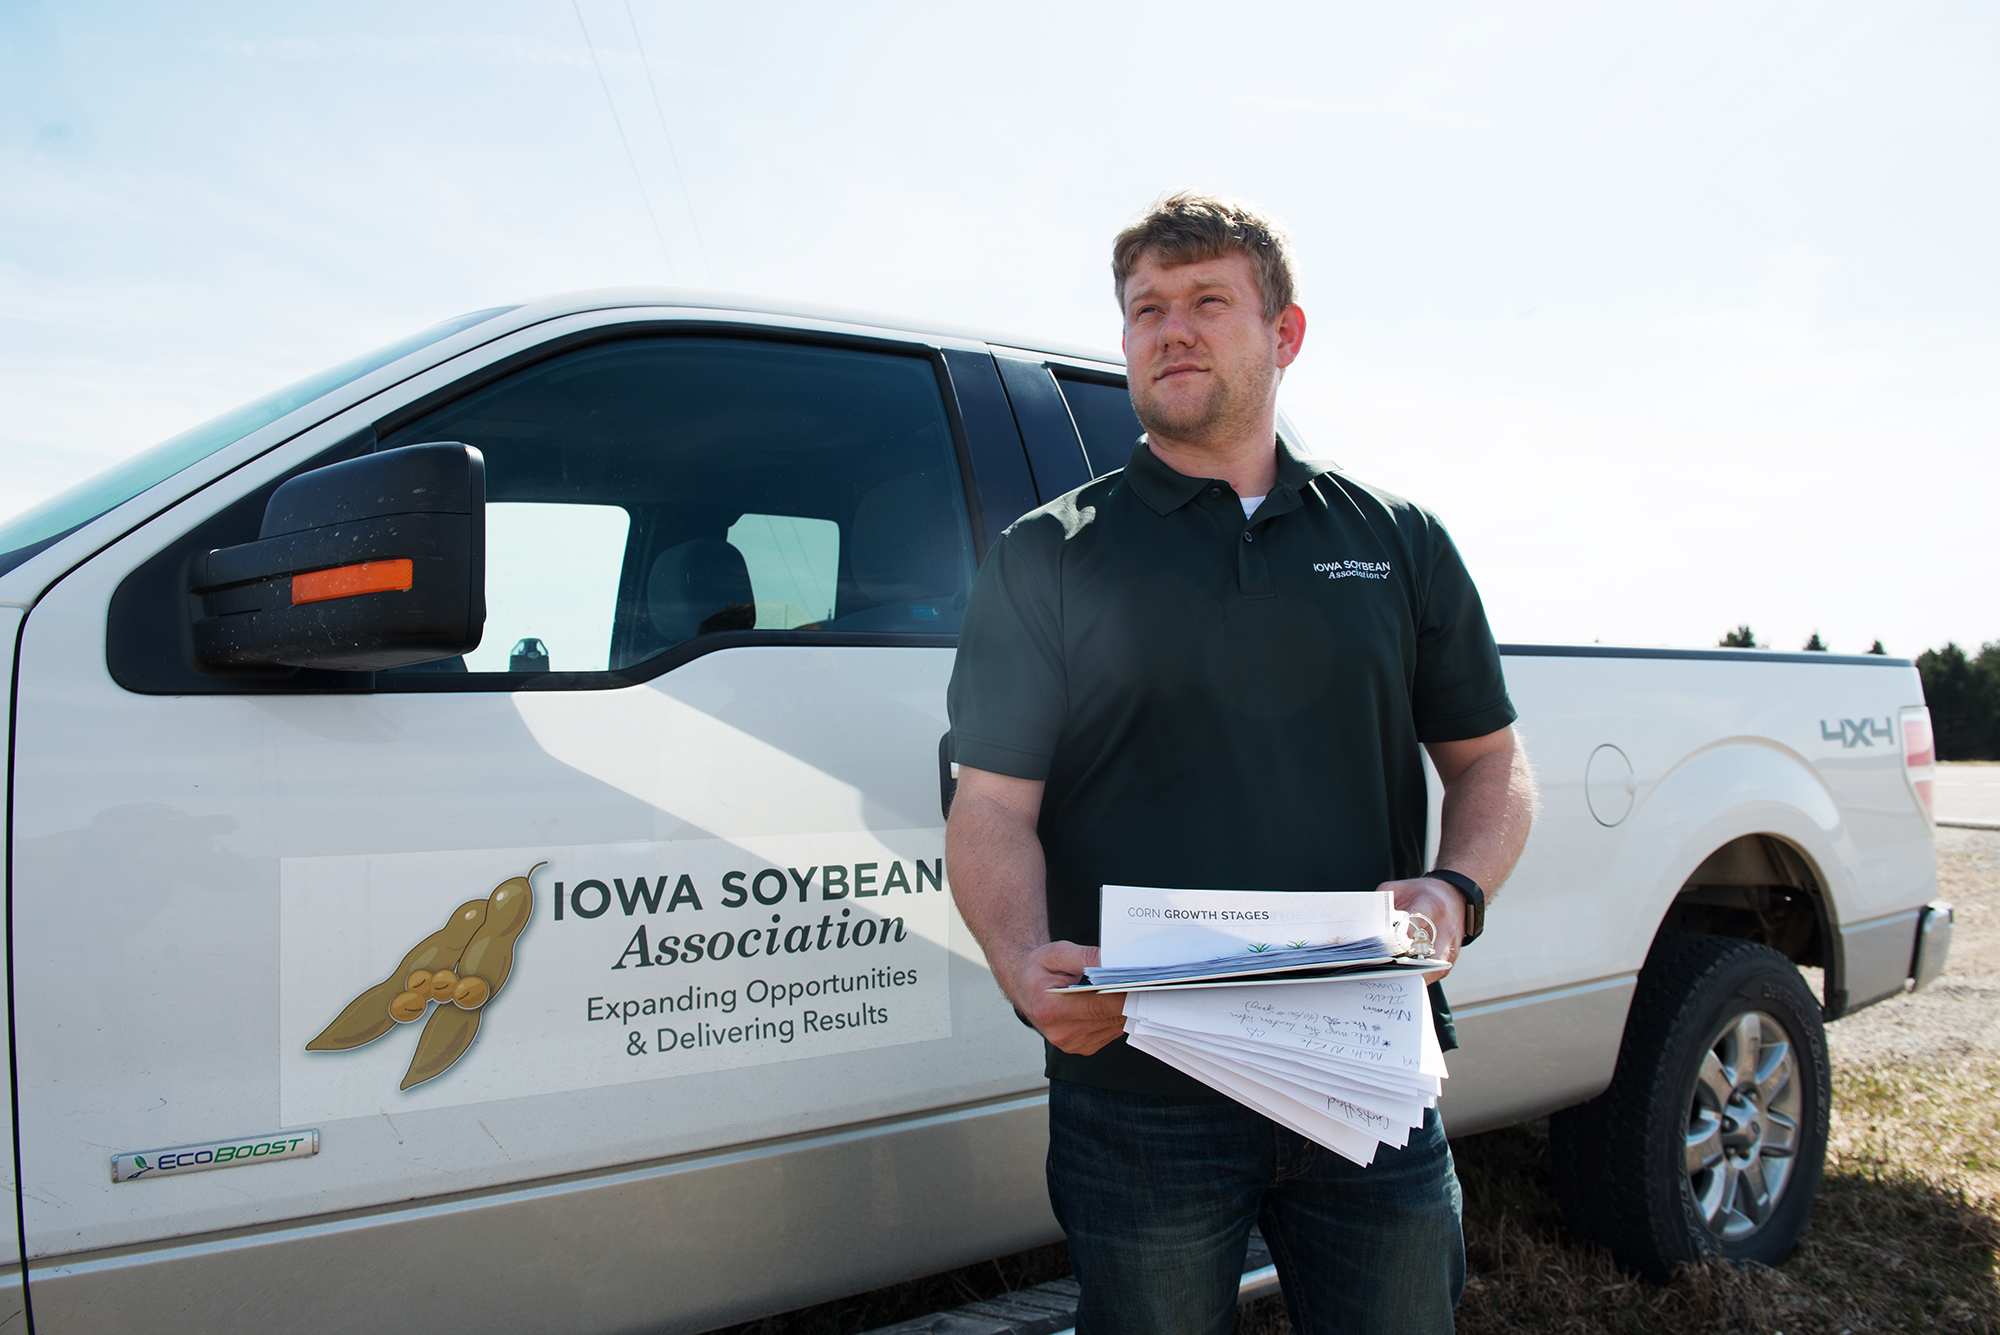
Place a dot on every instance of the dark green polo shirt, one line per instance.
(1217, 704)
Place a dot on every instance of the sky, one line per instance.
(1681, 317)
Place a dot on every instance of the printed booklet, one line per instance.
(1152, 938)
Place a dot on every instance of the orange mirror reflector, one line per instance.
(347, 581)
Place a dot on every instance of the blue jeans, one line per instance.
(1157, 1193)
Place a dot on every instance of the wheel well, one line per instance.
(1762, 889)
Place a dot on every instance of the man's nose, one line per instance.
(1177, 330)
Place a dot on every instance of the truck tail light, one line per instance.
(1920, 757)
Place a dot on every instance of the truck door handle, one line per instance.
(947, 781)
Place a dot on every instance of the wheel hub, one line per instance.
(1743, 1125)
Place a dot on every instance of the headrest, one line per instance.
(906, 540)
(698, 588)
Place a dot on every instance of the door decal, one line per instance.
(626, 962)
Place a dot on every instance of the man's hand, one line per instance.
(1439, 901)
(1081, 1023)
(997, 875)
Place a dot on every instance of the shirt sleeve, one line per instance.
(1460, 690)
(1009, 690)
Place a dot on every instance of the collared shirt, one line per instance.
(1220, 703)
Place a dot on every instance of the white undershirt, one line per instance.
(1250, 504)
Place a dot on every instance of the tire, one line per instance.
(1694, 1152)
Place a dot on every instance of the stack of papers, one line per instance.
(1351, 1062)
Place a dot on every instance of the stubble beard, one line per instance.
(1231, 406)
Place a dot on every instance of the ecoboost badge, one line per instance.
(137, 1165)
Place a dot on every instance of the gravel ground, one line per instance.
(1958, 1015)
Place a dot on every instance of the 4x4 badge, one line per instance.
(1862, 732)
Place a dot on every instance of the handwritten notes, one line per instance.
(1352, 1064)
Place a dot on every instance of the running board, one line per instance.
(1050, 1309)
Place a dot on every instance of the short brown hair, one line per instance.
(1189, 227)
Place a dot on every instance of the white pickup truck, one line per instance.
(475, 851)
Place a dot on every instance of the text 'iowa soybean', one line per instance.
(748, 891)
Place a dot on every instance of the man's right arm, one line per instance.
(998, 880)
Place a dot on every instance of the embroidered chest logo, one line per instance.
(1352, 569)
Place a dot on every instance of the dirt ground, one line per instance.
(1905, 1235)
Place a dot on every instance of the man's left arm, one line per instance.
(1489, 802)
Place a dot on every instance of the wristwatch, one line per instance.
(1475, 901)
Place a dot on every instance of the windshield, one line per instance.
(32, 530)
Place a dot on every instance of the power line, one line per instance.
(671, 152)
(646, 197)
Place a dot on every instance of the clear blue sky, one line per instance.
(1680, 316)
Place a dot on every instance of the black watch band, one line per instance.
(1475, 901)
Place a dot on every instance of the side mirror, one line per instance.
(377, 562)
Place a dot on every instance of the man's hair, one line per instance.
(1189, 227)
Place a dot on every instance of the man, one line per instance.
(1213, 669)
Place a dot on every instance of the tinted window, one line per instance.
(1104, 419)
(644, 493)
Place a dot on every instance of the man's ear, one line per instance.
(1291, 334)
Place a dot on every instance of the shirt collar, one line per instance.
(1166, 490)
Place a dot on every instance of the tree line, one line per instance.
(1962, 690)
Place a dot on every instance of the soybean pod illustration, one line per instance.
(460, 967)
(482, 971)
(372, 1014)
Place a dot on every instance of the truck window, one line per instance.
(645, 493)
(1102, 411)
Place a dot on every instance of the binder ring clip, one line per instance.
(1423, 936)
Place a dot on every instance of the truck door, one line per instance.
(700, 740)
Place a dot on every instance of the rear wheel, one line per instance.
(1711, 1138)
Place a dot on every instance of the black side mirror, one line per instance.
(377, 562)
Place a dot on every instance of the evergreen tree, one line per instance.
(1740, 638)
(1964, 696)
(1876, 648)
(1815, 645)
